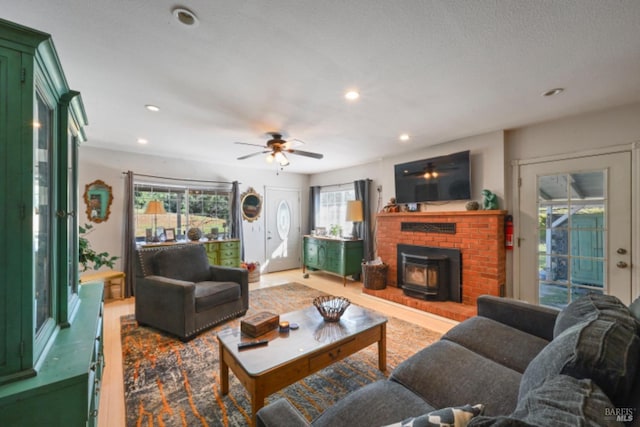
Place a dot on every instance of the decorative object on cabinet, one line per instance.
(155, 207)
(88, 258)
(355, 215)
(337, 256)
(489, 200)
(194, 234)
(169, 234)
(472, 205)
(251, 203)
(98, 197)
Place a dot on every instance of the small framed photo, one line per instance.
(149, 235)
(170, 234)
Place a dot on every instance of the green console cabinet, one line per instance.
(223, 252)
(339, 256)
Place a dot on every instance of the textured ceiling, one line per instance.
(438, 70)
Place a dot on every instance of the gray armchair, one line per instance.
(177, 291)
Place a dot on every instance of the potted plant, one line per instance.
(87, 256)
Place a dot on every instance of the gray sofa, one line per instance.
(178, 292)
(528, 366)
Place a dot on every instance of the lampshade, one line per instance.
(155, 207)
(354, 211)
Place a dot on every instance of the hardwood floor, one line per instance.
(112, 412)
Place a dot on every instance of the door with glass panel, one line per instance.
(575, 229)
(282, 228)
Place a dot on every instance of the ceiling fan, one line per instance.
(276, 148)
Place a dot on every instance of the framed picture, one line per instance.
(149, 235)
(170, 234)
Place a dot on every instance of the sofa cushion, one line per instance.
(187, 262)
(379, 403)
(497, 341)
(604, 351)
(561, 401)
(448, 374)
(593, 306)
(458, 416)
(211, 294)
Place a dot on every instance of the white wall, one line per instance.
(109, 165)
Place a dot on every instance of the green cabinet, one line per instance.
(223, 252)
(42, 313)
(66, 390)
(343, 257)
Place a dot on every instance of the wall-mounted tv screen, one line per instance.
(436, 179)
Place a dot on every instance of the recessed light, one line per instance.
(552, 92)
(405, 137)
(185, 16)
(352, 95)
(151, 107)
(143, 141)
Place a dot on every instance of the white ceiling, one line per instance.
(438, 70)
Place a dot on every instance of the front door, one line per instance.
(575, 229)
(283, 234)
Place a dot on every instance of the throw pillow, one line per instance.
(593, 306)
(562, 401)
(605, 351)
(566, 401)
(458, 416)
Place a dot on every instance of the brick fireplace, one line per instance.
(478, 235)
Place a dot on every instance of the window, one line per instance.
(332, 211)
(185, 207)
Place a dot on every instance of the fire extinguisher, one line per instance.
(508, 232)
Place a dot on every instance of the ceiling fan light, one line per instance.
(270, 158)
(280, 157)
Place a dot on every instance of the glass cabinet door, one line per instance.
(42, 190)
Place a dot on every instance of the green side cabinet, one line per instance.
(223, 252)
(66, 390)
(343, 257)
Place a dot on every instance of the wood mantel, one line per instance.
(479, 235)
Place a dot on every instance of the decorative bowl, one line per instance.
(331, 308)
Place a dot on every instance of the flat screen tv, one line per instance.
(436, 179)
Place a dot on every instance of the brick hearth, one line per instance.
(479, 235)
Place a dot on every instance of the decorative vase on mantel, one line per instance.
(194, 234)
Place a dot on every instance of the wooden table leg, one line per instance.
(382, 348)
(257, 402)
(224, 371)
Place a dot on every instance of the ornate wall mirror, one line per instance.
(98, 197)
(251, 204)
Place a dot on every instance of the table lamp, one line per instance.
(155, 207)
(354, 214)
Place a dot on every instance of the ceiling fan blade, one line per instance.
(291, 143)
(248, 143)
(253, 154)
(306, 153)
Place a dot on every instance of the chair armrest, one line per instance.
(532, 319)
(279, 413)
(229, 274)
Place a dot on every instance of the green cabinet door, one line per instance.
(10, 118)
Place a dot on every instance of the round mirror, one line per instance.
(98, 197)
(251, 203)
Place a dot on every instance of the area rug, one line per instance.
(171, 383)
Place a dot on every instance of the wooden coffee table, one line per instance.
(290, 357)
